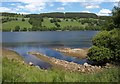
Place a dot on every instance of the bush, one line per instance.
(23, 19)
(106, 47)
(101, 39)
(17, 28)
(100, 55)
(24, 29)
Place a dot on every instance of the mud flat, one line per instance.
(75, 52)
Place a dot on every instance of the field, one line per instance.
(14, 70)
(12, 24)
(64, 23)
(46, 22)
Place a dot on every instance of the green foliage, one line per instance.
(8, 26)
(116, 16)
(17, 28)
(57, 25)
(23, 19)
(100, 54)
(106, 46)
(24, 29)
(14, 71)
(101, 39)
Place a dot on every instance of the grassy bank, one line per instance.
(16, 71)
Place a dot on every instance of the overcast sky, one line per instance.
(100, 7)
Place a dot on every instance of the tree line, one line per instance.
(65, 15)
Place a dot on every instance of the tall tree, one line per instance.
(116, 16)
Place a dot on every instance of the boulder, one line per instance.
(86, 64)
(30, 63)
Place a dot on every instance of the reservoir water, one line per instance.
(43, 42)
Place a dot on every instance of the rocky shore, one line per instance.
(75, 52)
(70, 66)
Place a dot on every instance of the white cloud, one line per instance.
(22, 7)
(23, 12)
(70, 0)
(29, 1)
(64, 3)
(10, 10)
(104, 12)
(50, 4)
(4, 9)
(61, 8)
(115, 4)
(12, 4)
(32, 7)
(92, 6)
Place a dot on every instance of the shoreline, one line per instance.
(68, 66)
(73, 52)
(56, 63)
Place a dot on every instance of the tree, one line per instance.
(17, 28)
(24, 29)
(116, 16)
(58, 25)
(23, 19)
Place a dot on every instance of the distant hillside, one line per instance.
(53, 21)
(65, 15)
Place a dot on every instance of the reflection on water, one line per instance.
(43, 42)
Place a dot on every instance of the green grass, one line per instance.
(14, 71)
(11, 24)
(64, 23)
(46, 22)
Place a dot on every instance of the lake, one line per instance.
(43, 42)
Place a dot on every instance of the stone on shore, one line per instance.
(30, 63)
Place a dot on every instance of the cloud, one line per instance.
(50, 4)
(32, 7)
(23, 12)
(70, 0)
(29, 1)
(10, 10)
(90, 5)
(64, 3)
(4, 9)
(104, 12)
(61, 8)
(12, 4)
(86, 1)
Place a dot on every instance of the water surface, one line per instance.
(43, 42)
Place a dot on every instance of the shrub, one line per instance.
(23, 19)
(57, 25)
(17, 28)
(106, 47)
(100, 54)
(24, 29)
(101, 39)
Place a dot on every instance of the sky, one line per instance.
(99, 7)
